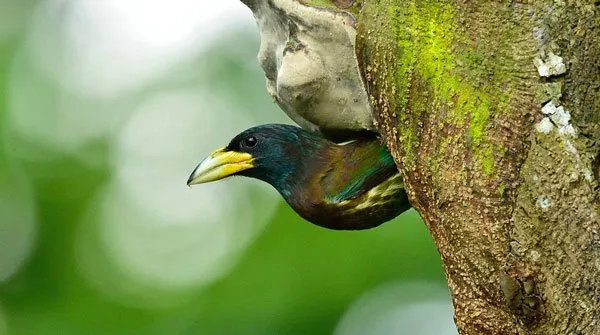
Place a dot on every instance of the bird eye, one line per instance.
(250, 141)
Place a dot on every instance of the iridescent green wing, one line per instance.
(356, 169)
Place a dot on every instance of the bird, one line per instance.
(353, 185)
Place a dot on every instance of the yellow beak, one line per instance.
(220, 164)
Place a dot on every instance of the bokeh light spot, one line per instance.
(418, 308)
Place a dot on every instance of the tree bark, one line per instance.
(497, 137)
(491, 110)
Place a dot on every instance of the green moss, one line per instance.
(501, 189)
(487, 160)
(430, 48)
(480, 116)
(291, 44)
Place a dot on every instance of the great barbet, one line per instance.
(349, 186)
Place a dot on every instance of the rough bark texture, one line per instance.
(491, 109)
(492, 112)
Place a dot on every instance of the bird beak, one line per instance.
(220, 164)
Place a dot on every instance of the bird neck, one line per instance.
(286, 167)
(297, 172)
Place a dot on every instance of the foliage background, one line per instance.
(105, 107)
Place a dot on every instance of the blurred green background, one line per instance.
(105, 107)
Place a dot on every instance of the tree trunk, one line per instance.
(497, 137)
(491, 110)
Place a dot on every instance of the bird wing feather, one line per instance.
(355, 170)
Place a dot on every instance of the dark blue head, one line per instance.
(273, 153)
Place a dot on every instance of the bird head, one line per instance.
(272, 153)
